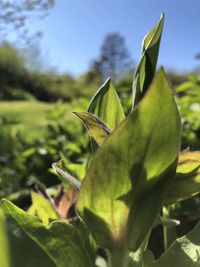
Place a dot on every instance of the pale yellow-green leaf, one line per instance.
(187, 181)
(44, 209)
(4, 247)
(96, 128)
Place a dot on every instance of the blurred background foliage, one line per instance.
(36, 120)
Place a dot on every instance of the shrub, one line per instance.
(188, 99)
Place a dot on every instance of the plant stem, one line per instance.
(118, 258)
(169, 233)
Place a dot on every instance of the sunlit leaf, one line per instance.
(184, 252)
(168, 222)
(66, 177)
(187, 181)
(145, 71)
(4, 250)
(185, 86)
(140, 259)
(106, 105)
(124, 187)
(44, 209)
(96, 127)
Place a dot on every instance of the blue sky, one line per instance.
(75, 29)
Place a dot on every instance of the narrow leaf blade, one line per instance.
(96, 127)
(106, 105)
(75, 183)
(145, 71)
(4, 251)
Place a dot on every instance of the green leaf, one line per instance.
(185, 86)
(44, 209)
(167, 222)
(106, 105)
(4, 251)
(59, 240)
(184, 252)
(139, 259)
(23, 250)
(66, 177)
(187, 181)
(145, 71)
(96, 127)
(126, 181)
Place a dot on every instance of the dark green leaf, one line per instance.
(25, 252)
(59, 240)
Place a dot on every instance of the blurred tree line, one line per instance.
(22, 72)
(18, 82)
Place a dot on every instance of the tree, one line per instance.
(15, 16)
(114, 60)
(12, 70)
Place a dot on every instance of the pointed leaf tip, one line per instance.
(96, 127)
(145, 71)
(128, 163)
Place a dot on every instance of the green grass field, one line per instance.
(32, 117)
